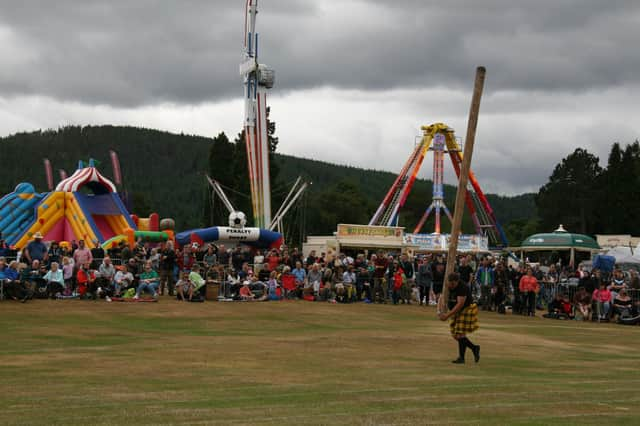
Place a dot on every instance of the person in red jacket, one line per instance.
(85, 279)
(529, 287)
(273, 260)
(567, 309)
(398, 281)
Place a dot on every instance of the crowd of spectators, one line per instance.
(74, 271)
(145, 271)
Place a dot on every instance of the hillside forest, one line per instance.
(164, 172)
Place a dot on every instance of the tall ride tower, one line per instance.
(258, 79)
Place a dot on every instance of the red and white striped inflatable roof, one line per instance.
(81, 177)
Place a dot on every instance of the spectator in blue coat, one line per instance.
(300, 274)
(14, 289)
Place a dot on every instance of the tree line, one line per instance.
(163, 172)
(588, 198)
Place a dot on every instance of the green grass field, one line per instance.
(89, 363)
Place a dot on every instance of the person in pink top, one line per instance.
(82, 255)
(529, 287)
(602, 297)
(67, 275)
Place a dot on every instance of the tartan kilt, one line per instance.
(466, 321)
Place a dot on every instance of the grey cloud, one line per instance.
(125, 53)
(521, 136)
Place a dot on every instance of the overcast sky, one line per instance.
(355, 78)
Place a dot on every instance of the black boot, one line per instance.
(476, 353)
(474, 348)
(462, 347)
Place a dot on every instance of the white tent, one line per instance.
(629, 260)
(625, 254)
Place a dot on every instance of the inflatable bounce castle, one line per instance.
(84, 206)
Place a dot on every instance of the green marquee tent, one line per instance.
(559, 240)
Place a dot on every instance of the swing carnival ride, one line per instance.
(440, 139)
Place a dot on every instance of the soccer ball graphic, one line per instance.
(237, 220)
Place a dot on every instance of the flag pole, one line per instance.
(462, 184)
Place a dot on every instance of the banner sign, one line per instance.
(369, 231)
(425, 242)
(471, 243)
(440, 242)
(238, 234)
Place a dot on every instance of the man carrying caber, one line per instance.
(463, 317)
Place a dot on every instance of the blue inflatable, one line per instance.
(254, 237)
(604, 263)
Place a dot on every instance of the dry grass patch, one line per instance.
(304, 363)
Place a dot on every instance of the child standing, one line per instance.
(398, 281)
(67, 274)
(272, 285)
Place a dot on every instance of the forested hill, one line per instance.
(163, 172)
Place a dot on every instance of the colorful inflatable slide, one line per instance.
(85, 206)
